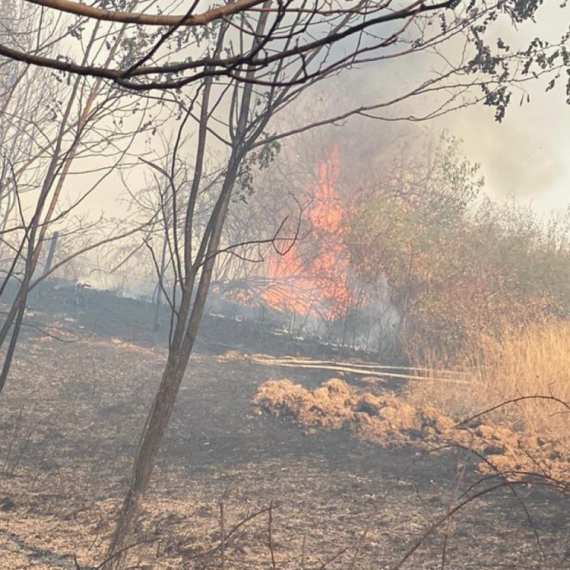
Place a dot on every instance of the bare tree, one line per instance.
(49, 126)
(368, 28)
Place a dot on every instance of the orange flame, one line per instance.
(312, 278)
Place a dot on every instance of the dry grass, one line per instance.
(389, 421)
(534, 361)
(335, 405)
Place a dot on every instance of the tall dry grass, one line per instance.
(532, 361)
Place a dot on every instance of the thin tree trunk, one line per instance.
(13, 321)
(154, 431)
(188, 321)
(156, 326)
(163, 404)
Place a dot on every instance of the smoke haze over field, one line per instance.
(524, 157)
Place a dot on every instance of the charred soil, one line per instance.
(72, 414)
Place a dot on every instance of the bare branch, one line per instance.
(94, 13)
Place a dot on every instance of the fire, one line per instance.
(311, 278)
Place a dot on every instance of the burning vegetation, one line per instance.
(410, 265)
(312, 281)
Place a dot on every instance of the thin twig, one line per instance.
(514, 401)
(223, 534)
(273, 564)
(333, 558)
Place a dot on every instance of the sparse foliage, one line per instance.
(457, 264)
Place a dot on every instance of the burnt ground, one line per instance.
(72, 412)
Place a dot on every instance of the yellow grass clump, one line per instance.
(530, 365)
(514, 389)
(335, 405)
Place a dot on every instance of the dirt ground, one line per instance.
(71, 416)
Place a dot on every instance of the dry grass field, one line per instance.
(70, 421)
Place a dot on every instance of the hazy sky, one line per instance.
(527, 156)
(523, 157)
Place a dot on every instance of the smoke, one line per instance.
(524, 156)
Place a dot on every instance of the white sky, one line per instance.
(527, 156)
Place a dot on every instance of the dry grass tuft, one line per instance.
(534, 361)
(335, 405)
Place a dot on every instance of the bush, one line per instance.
(456, 264)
